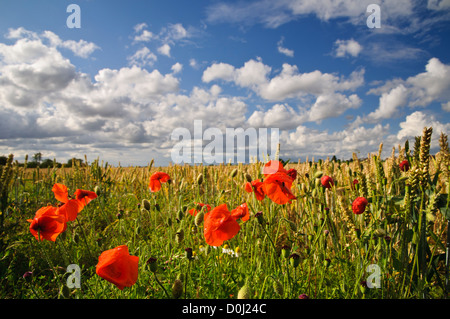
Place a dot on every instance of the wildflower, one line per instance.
(241, 212)
(404, 166)
(256, 187)
(188, 253)
(303, 296)
(47, 223)
(292, 173)
(194, 211)
(273, 167)
(118, 267)
(71, 207)
(327, 181)
(219, 226)
(277, 187)
(359, 205)
(84, 197)
(156, 179)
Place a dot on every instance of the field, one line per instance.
(315, 246)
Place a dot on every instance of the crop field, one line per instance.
(366, 228)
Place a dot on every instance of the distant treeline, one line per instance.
(43, 163)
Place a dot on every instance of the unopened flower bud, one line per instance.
(244, 292)
(199, 218)
(146, 204)
(233, 173)
(152, 263)
(177, 288)
(188, 253)
(200, 179)
(294, 259)
(179, 235)
(97, 190)
(278, 287)
(248, 177)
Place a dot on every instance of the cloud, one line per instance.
(164, 50)
(177, 67)
(438, 4)
(420, 90)
(347, 47)
(142, 57)
(283, 50)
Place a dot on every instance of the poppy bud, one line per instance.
(188, 253)
(180, 215)
(233, 173)
(177, 288)
(200, 179)
(278, 287)
(179, 235)
(152, 263)
(97, 190)
(327, 262)
(285, 250)
(146, 204)
(248, 177)
(260, 218)
(318, 174)
(294, 259)
(404, 166)
(244, 292)
(303, 296)
(199, 218)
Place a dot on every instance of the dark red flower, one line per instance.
(292, 173)
(359, 205)
(404, 166)
(327, 181)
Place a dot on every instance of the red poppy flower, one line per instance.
(278, 188)
(404, 166)
(292, 173)
(47, 223)
(72, 207)
(327, 181)
(241, 212)
(359, 205)
(256, 187)
(118, 267)
(194, 211)
(84, 197)
(156, 179)
(272, 167)
(219, 226)
(352, 185)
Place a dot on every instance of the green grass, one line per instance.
(403, 235)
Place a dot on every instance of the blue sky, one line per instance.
(117, 87)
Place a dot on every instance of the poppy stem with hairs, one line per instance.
(161, 285)
(84, 237)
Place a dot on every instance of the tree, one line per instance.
(37, 158)
(3, 160)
